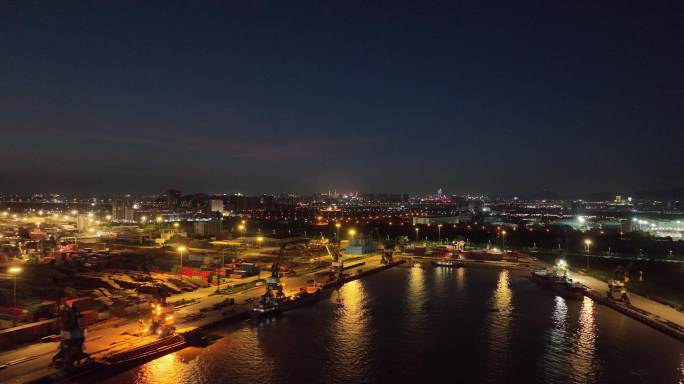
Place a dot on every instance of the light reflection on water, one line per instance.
(555, 362)
(350, 330)
(398, 326)
(582, 357)
(499, 328)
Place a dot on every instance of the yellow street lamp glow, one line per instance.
(259, 239)
(176, 225)
(14, 270)
(40, 212)
(108, 217)
(352, 232)
(143, 218)
(181, 249)
(241, 227)
(91, 230)
(159, 219)
(503, 233)
(73, 212)
(587, 241)
(5, 213)
(338, 225)
(243, 222)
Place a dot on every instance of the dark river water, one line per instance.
(408, 325)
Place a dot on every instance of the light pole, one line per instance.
(14, 271)
(159, 221)
(417, 229)
(337, 234)
(439, 233)
(223, 265)
(587, 242)
(352, 232)
(503, 240)
(181, 249)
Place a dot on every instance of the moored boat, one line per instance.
(274, 306)
(560, 284)
(447, 263)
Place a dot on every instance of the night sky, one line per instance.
(261, 97)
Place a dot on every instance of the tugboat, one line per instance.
(274, 301)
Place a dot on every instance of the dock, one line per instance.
(113, 344)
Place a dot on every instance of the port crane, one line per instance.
(274, 290)
(161, 321)
(387, 248)
(617, 287)
(337, 260)
(70, 354)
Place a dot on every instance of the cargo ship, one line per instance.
(560, 284)
(271, 306)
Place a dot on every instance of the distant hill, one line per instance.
(663, 195)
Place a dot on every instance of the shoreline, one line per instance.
(206, 322)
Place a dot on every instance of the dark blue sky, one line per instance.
(253, 96)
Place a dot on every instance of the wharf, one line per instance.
(30, 363)
(665, 326)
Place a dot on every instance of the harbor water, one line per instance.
(408, 325)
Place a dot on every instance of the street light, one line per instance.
(181, 249)
(503, 240)
(259, 239)
(14, 271)
(417, 229)
(352, 232)
(439, 232)
(337, 234)
(587, 243)
(218, 273)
